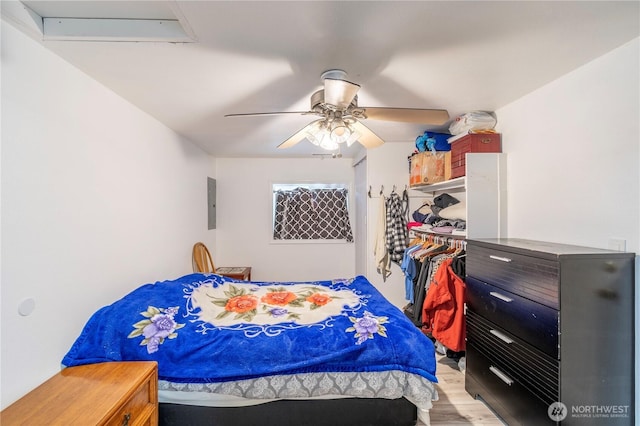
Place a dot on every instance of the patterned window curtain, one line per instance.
(312, 214)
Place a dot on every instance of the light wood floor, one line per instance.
(456, 406)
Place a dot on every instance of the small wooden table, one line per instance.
(110, 393)
(236, 272)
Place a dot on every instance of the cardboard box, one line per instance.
(428, 168)
(447, 165)
(415, 177)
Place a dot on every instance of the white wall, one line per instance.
(387, 166)
(97, 199)
(574, 155)
(574, 160)
(244, 204)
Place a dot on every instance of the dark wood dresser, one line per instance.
(550, 332)
(105, 394)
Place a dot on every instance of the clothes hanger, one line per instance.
(416, 240)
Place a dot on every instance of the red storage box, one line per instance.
(473, 142)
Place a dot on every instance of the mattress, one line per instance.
(223, 342)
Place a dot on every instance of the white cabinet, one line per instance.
(484, 188)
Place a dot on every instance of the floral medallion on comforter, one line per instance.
(212, 332)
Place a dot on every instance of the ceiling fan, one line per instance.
(337, 105)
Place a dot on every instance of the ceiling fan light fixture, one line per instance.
(314, 132)
(328, 144)
(320, 134)
(340, 131)
(316, 137)
(355, 135)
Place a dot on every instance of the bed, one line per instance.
(235, 352)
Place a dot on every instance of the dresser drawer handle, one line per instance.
(500, 296)
(125, 419)
(501, 375)
(501, 259)
(501, 336)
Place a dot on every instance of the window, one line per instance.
(311, 212)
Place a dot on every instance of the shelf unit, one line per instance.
(485, 189)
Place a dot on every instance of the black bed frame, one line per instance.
(319, 412)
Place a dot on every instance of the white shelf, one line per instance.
(447, 185)
(485, 192)
(440, 234)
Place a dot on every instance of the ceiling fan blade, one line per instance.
(408, 115)
(368, 139)
(339, 93)
(299, 136)
(257, 114)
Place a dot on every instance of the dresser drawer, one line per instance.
(533, 322)
(138, 408)
(531, 277)
(534, 370)
(107, 393)
(514, 403)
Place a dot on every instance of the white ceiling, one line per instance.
(268, 56)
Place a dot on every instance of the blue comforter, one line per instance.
(209, 328)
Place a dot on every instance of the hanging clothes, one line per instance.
(405, 203)
(380, 252)
(409, 269)
(428, 259)
(443, 308)
(397, 232)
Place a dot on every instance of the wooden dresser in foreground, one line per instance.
(110, 393)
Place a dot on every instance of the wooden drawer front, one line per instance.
(137, 410)
(534, 370)
(531, 277)
(534, 323)
(513, 402)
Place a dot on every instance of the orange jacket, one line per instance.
(443, 308)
